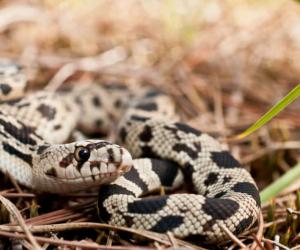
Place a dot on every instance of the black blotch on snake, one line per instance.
(187, 129)
(134, 177)
(224, 160)
(181, 147)
(247, 188)
(152, 106)
(165, 170)
(105, 192)
(146, 134)
(243, 225)
(47, 111)
(211, 179)
(149, 205)
(167, 223)
(13, 151)
(220, 209)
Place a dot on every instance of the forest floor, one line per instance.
(225, 63)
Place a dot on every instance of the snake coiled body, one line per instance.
(164, 150)
(227, 195)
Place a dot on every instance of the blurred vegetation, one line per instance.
(225, 62)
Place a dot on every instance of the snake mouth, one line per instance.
(99, 178)
(95, 172)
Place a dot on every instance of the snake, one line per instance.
(157, 149)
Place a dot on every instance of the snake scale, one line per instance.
(35, 149)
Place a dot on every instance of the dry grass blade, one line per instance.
(233, 237)
(90, 64)
(16, 14)
(68, 243)
(259, 234)
(14, 212)
(163, 239)
(275, 243)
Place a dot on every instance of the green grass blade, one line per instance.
(284, 102)
(280, 184)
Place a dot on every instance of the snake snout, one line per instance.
(126, 161)
(110, 160)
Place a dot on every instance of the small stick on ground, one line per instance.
(233, 237)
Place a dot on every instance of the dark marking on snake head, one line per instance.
(243, 225)
(96, 101)
(220, 209)
(187, 129)
(47, 111)
(182, 147)
(211, 179)
(149, 205)
(66, 161)
(111, 155)
(165, 170)
(151, 106)
(94, 164)
(5, 88)
(247, 188)
(146, 134)
(227, 179)
(224, 160)
(98, 145)
(51, 172)
(168, 223)
(13, 151)
(105, 192)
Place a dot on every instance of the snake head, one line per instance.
(75, 166)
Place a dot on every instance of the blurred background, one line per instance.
(225, 62)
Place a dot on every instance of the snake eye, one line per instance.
(82, 154)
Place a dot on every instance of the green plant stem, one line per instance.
(280, 184)
(277, 108)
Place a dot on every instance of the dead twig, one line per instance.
(163, 239)
(89, 64)
(233, 237)
(72, 243)
(14, 212)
